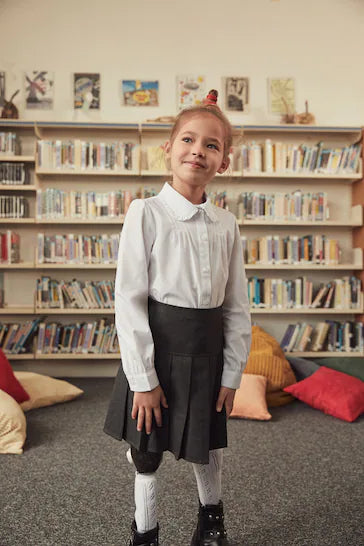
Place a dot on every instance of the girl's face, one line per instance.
(197, 150)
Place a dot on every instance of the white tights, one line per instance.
(208, 478)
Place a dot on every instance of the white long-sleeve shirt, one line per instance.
(185, 255)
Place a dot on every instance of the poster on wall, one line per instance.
(140, 93)
(281, 95)
(86, 90)
(2, 88)
(236, 94)
(190, 90)
(38, 87)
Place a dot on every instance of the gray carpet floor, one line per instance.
(296, 480)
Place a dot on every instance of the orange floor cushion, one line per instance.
(267, 358)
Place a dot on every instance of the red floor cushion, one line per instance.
(335, 393)
(8, 381)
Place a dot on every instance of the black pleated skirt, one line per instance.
(188, 360)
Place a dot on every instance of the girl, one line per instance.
(183, 324)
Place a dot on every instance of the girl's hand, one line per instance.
(147, 403)
(226, 396)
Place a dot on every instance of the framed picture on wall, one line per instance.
(236, 94)
(281, 95)
(140, 92)
(190, 90)
(86, 90)
(38, 87)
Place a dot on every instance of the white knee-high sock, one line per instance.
(208, 477)
(145, 494)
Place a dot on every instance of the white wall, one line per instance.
(318, 42)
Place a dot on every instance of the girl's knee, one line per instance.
(145, 463)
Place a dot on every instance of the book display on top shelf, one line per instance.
(78, 177)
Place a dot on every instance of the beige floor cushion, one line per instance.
(45, 391)
(12, 425)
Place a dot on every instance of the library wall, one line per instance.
(318, 42)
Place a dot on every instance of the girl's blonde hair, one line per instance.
(206, 109)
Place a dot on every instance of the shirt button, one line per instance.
(204, 237)
(205, 270)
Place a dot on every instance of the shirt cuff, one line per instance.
(143, 382)
(231, 379)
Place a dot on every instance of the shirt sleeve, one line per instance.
(131, 298)
(236, 318)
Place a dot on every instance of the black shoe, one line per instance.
(210, 529)
(150, 538)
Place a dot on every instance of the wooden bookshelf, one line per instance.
(23, 356)
(345, 191)
(84, 172)
(17, 187)
(79, 221)
(22, 265)
(17, 158)
(306, 311)
(323, 354)
(80, 267)
(72, 311)
(17, 310)
(305, 267)
(77, 356)
(17, 220)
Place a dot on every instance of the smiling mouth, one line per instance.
(195, 164)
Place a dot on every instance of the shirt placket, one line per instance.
(204, 255)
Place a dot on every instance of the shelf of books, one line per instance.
(59, 182)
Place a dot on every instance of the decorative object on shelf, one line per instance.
(281, 96)
(236, 94)
(86, 91)
(10, 111)
(190, 90)
(38, 86)
(140, 93)
(162, 119)
(2, 88)
(289, 116)
(306, 118)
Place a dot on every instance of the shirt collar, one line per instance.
(181, 207)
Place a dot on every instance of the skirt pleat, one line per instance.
(189, 362)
